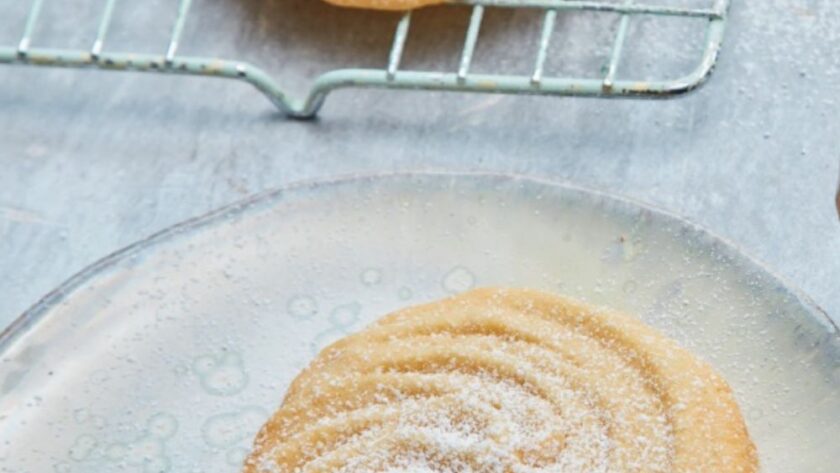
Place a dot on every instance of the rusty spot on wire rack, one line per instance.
(215, 67)
(639, 86)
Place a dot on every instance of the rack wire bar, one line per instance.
(469, 43)
(180, 20)
(102, 31)
(618, 45)
(31, 20)
(601, 6)
(545, 41)
(399, 42)
(392, 77)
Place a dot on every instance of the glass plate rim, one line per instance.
(35, 313)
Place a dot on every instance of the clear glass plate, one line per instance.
(168, 355)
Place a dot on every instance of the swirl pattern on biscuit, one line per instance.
(508, 381)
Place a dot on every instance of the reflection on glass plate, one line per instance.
(170, 354)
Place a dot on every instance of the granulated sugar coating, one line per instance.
(508, 381)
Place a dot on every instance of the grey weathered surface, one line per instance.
(92, 161)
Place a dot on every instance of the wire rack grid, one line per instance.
(609, 85)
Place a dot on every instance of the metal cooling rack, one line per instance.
(392, 76)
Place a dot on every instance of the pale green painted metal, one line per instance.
(399, 42)
(180, 21)
(618, 46)
(473, 29)
(549, 20)
(104, 23)
(392, 77)
(29, 27)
